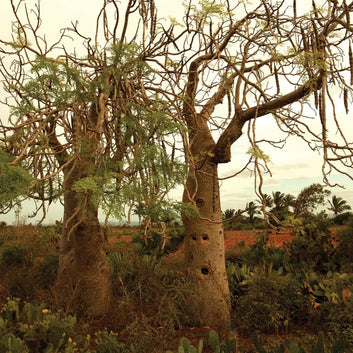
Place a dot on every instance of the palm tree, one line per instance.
(228, 213)
(278, 200)
(252, 210)
(267, 199)
(338, 205)
(289, 201)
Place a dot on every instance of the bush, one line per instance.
(271, 302)
(343, 254)
(317, 346)
(157, 245)
(15, 255)
(343, 218)
(312, 245)
(151, 299)
(47, 271)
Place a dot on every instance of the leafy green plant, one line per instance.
(14, 255)
(34, 329)
(291, 347)
(237, 276)
(151, 298)
(222, 346)
(312, 245)
(343, 253)
(271, 302)
(47, 271)
(186, 347)
(107, 342)
(37, 328)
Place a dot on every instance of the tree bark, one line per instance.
(84, 276)
(204, 249)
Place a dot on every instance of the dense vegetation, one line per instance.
(301, 291)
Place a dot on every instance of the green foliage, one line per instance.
(47, 271)
(158, 244)
(14, 181)
(343, 218)
(14, 255)
(309, 199)
(338, 205)
(222, 346)
(107, 342)
(312, 245)
(151, 299)
(343, 253)
(257, 153)
(291, 347)
(207, 10)
(186, 347)
(35, 329)
(270, 303)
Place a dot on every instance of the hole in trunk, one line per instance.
(204, 270)
(205, 237)
(200, 202)
(194, 236)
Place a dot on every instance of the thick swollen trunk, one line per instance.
(84, 277)
(204, 249)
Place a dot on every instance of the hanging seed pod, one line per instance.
(268, 15)
(313, 46)
(314, 6)
(153, 19)
(345, 99)
(316, 97)
(295, 9)
(322, 111)
(346, 10)
(316, 34)
(320, 105)
(305, 43)
(350, 62)
(277, 80)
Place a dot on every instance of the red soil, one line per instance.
(233, 237)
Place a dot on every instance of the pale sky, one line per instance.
(293, 167)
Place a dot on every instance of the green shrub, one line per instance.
(35, 329)
(47, 271)
(151, 299)
(271, 302)
(312, 245)
(15, 255)
(237, 279)
(343, 218)
(291, 347)
(343, 254)
(219, 345)
(155, 244)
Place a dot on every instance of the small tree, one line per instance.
(309, 199)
